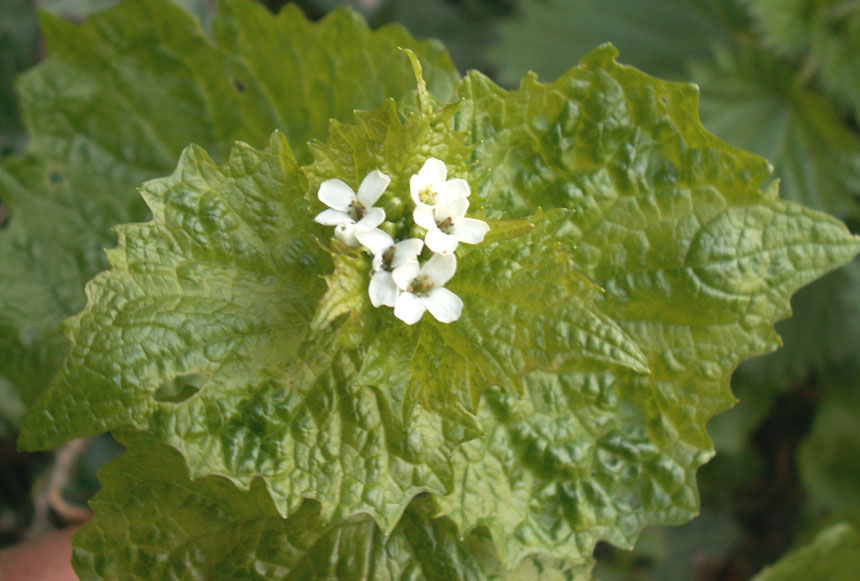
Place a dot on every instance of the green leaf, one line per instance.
(525, 308)
(19, 38)
(80, 10)
(834, 555)
(751, 99)
(784, 25)
(822, 35)
(116, 101)
(179, 528)
(697, 263)
(657, 36)
(217, 294)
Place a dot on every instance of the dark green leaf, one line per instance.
(177, 528)
(753, 100)
(657, 36)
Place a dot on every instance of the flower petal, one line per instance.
(382, 289)
(415, 186)
(404, 275)
(406, 251)
(376, 240)
(372, 218)
(455, 187)
(444, 305)
(409, 308)
(333, 218)
(441, 243)
(372, 187)
(346, 234)
(336, 194)
(470, 230)
(433, 171)
(440, 268)
(452, 206)
(423, 216)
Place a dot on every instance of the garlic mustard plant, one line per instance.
(635, 261)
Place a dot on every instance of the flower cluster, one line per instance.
(399, 280)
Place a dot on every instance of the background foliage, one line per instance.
(778, 78)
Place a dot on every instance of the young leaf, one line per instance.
(178, 528)
(525, 306)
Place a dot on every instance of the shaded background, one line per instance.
(778, 77)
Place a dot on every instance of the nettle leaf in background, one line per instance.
(657, 36)
(207, 529)
(696, 262)
(750, 98)
(94, 111)
(753, 99)
(822, 35)
(466, 28)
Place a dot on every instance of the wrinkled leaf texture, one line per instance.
(95, 114)
(684, 244)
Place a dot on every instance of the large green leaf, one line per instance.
(200, 335)
(175, 528)
(116, 101)
(207, 313)
(697, 262)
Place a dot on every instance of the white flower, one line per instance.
(352, 213)
(447, 225)
(391, 262)
(422, 291)
(430, 184)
